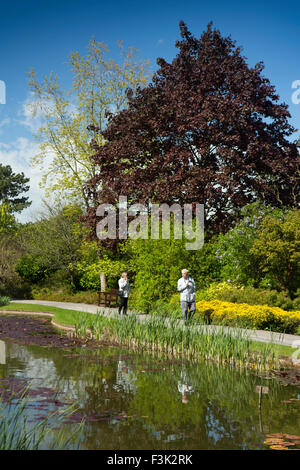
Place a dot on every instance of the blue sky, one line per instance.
(42, 35)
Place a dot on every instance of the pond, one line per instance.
(135, 401)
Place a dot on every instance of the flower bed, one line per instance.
(259, 317)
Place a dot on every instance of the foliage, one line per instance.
(170, 337)
(277, 250)
(52, 245)
(10, 282)
(90, 266)
(206, 267)
(17, 434)
(232, 292)
(69, 119)
(208, 129)
(11, 186)
(8, 223)
(158, 265)
(4, 301)
(32, 268)
(98, 86)
(64, 295)
(259, 317)
(68, 317)
(238, 262)
(163, 308)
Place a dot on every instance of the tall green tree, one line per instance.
(69, 118)
(12, 186)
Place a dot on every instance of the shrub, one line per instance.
(157, 264)
(163, 308)
(230, 292)
(259, 317)
(65, 295)
(234, 247)
(277, 250)
(32, 268)
(4, 301)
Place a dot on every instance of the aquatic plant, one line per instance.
(170, 337)
(281, 441)
(17, 434)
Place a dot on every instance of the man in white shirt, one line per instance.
(184, 386)
(187, 288)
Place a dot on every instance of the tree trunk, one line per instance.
(103, 281)
(101, 273)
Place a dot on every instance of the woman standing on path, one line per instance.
(124, 289)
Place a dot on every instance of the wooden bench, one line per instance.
(108, 298)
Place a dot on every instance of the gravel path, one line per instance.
(255, 335)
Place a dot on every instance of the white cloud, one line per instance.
(160, 41)
(4, 122)
(45, 106)
(19, 152)
(26, 118)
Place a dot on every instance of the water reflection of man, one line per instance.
(184, 387)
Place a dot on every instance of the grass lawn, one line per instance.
(287, 351)
(61, 315)
(68, 318)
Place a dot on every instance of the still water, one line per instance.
(135, 401)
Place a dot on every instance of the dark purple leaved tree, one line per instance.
(208, 129)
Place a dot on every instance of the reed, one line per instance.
(17, 434)
(168, 336)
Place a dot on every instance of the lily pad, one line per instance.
(279, 447)
(273, 441)
(291, 436)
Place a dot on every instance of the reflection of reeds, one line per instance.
(17, 434)
(170, 337)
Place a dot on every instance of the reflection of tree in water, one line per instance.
(221, 411)
(12, 361)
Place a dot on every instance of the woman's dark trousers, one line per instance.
(123, 304)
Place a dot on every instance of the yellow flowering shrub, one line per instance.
(259, 317)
